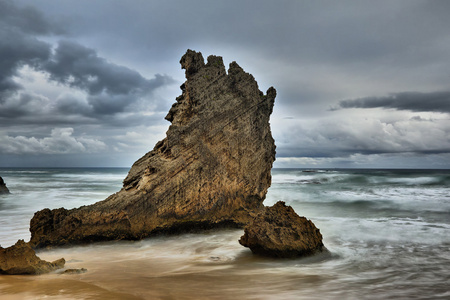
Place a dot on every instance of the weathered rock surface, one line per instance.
(211, 170)
(3, 188)
(20, 259)
(279, 232)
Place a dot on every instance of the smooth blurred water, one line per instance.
(36, 189)
(387, 231)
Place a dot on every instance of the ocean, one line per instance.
(388, 232)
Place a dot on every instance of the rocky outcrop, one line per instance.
(279, 232)
(3, 188)
(20, 259)
(211, 170)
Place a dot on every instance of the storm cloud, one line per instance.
(413, 101)
(109, 88)
(18, 43)
(16, 50)
(26, 19)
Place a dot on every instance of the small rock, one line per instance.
(3, 188)
(75, 271)
(20, 259)
(279, 232)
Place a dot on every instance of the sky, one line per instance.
(360, 84)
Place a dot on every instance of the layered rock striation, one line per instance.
(279, 232)
(20, 259)
(211, 170)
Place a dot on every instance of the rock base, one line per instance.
(279, 232)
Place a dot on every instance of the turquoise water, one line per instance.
(387, 230)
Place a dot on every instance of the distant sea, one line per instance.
(388, 232)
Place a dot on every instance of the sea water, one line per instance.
(388, 232)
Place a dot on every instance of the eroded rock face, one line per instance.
(279, 232)
(20, 259)
(3, 188)
(211, 170)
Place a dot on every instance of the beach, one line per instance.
(386, 231)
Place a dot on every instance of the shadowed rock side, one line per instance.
(3, 188)
(20, 259)
(279, 232)
(211, 170)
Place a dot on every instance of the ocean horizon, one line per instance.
(386, 230)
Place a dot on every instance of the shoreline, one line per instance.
(209, 265)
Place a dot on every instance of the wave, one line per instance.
(362, 177)
(393, 230)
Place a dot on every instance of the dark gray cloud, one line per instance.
(20, 105)
(18, 44)
(27, 20)
(413, 101)
(81, 67)
(54, 95)
(111, 88)
(17, 50)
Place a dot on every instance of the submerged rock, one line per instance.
(20, 259)
(211, 170)
(3, 188)
(74, 271)
(279, 232)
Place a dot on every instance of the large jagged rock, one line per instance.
(211, 170)
(3, 188)
(20, 259)
(279, 232)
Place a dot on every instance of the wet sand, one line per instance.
(211, 265)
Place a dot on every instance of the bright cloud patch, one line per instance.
(364, 135)
(60, 141)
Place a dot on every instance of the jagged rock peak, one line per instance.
(192, 61)
(212, 169)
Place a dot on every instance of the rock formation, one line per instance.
(211, 170)
(20, 259)
(279, 232)
(3, 188)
